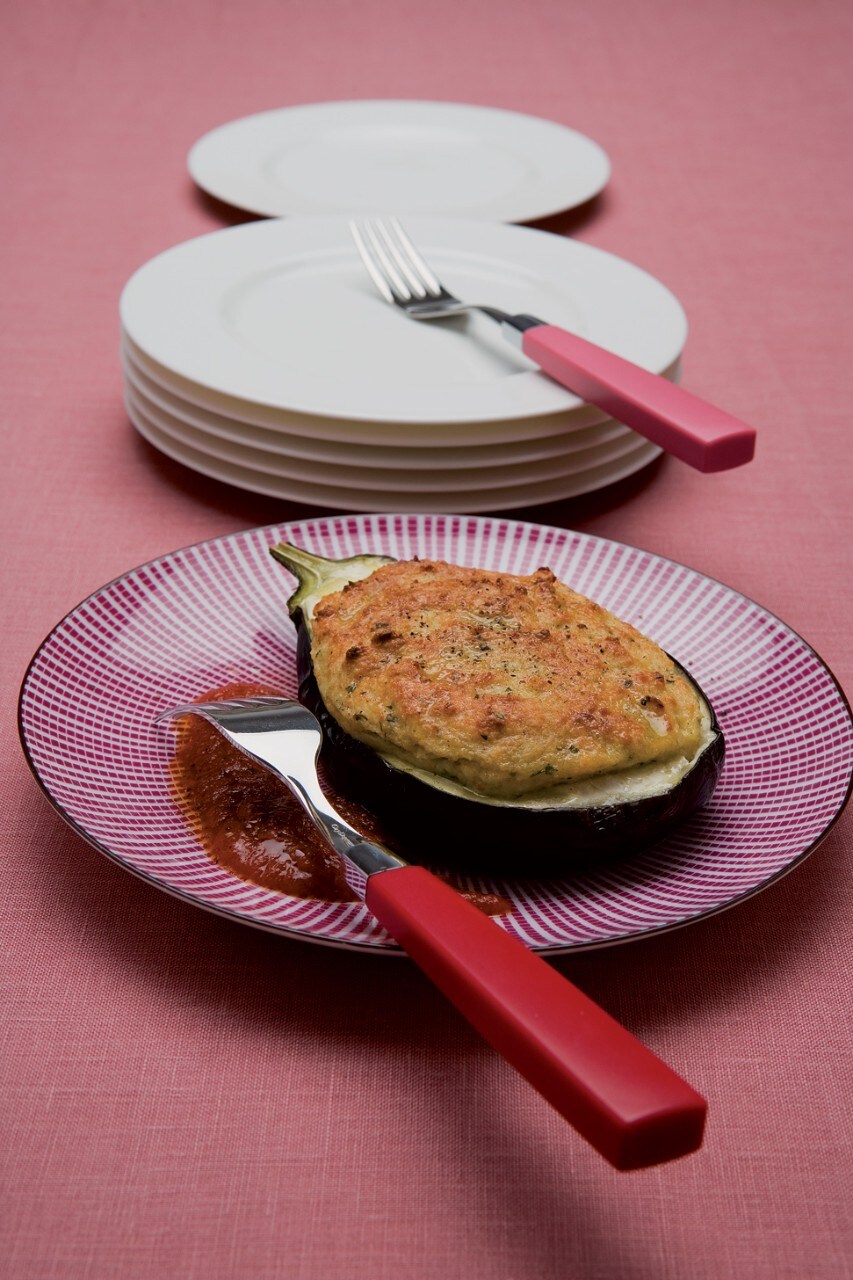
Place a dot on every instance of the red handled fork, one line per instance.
(623, 1099)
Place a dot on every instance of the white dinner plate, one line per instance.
(404, 480)
(199, 618)
(282, 313)
(409, 156)
(289, 445)
(377, 498)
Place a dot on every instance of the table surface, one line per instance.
(186, 1097)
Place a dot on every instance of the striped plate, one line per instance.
(214, 613)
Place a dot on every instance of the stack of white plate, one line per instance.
(262, 356)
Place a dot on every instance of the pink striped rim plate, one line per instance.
(209, 614)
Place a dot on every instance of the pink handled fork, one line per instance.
(689, 428)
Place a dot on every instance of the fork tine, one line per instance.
(384, 265)
(372, 269)
(221, 706)
(431, 281)
(404, 262)
(174, 713)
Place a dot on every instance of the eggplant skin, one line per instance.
(426, 824)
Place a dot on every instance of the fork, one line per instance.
(689, 428)
(627, 1103)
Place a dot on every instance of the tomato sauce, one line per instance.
(250, 823)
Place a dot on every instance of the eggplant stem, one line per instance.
(305, 565)
(313, 571)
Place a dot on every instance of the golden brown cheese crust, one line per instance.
(506, 684)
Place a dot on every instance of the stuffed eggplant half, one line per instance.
(488, 718)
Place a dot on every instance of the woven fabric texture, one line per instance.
(186, 1097)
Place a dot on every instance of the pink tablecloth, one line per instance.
(185, 1097)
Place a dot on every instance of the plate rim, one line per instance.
(193, 414)
(337, 430)
(393, 948)
(468, 477)
(642, 454)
